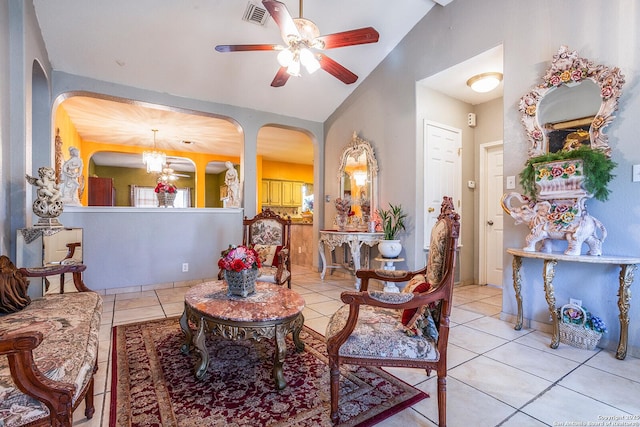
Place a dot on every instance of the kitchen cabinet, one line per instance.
(281, 193)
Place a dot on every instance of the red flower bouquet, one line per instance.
(239, 258)
(165, 187)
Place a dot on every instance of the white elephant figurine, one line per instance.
(556, 220)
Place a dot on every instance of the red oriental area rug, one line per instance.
(153, 383)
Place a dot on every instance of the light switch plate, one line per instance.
(511, 182)
(636, 173)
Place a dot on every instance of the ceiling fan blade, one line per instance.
(336, 70)
(281, 77)
(281, 15)
(349, 38)
(246, 47)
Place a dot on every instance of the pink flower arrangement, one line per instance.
(239, 258)
(165, 187)
(343, 205)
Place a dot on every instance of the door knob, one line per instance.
(430, 210)
(490, 222)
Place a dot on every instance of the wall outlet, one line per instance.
(299, 249)
(185, 267)
(511, 182)
(575, 301)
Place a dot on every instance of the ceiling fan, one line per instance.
(300, 37)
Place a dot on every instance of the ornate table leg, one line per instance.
(624, 298)
(297, 327)
(323, 257)
(201, 348)
(184, 325)
(547, 275)
(517, 286)
(354, 245)
(278, 359)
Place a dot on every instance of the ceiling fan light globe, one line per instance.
(285, 57)
(294, 68)
(309, 61)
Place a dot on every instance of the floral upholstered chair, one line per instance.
(408, 329)
(270, 235)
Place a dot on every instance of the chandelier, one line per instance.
(155, 160)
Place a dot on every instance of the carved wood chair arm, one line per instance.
(18, 347)
(52, 270)
(386, 275)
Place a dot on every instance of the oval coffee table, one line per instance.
(272, 311)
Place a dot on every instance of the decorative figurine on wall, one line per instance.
(71, 178)
(48, 206)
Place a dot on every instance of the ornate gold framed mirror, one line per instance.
(572, 106)
(358, 175)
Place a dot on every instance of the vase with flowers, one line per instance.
(240, 266)
(343, 209)
(166, 193)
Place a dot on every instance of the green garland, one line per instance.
(597, 171)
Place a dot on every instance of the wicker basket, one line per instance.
(576, 335)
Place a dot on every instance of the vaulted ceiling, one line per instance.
(167, 46)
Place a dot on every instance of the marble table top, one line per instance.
(270, 302)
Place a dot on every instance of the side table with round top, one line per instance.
(271, 312)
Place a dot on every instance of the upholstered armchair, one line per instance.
(270, 235)
(408, 329)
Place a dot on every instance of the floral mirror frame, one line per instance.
(569, 69)
(355, 150)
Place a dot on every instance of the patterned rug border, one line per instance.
(398, 407)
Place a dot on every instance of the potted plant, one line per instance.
(392, 222)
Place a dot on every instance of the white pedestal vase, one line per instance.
(389, 248)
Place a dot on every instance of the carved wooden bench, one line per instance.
(48, 348)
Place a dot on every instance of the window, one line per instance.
(145, 197)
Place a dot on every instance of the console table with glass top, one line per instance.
(355, 240)
(627, 269)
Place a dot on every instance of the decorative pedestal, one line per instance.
(387, 264)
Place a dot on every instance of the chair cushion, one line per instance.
(70, 324)
(268, 274)
(268, 254)
(416, 284)
(379, 334)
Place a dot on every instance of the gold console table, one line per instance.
(627, 269)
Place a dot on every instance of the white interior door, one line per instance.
(442, 171)
(491, 214)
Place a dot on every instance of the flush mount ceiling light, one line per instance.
(485, 82)
(155, 160)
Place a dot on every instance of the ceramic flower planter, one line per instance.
(241, 283)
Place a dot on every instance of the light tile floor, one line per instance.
(497, 376)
